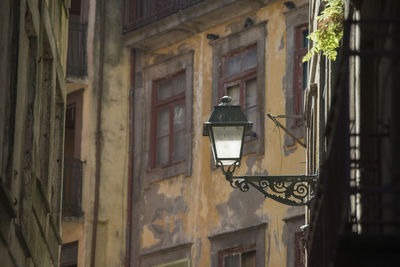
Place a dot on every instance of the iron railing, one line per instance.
(141, 12)
(356, 213)
(76, 58)
(72, 189)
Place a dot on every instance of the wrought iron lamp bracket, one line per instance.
(292, 190)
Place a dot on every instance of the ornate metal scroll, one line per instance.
(294, 190)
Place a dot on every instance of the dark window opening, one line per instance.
(73, 166)
(75, 7)
(69, 255)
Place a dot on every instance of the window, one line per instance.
(300, 71)
(164, 106)
(294, 219)
(239, 80)
(295, 80)
(298, 253)
(69, 255)
(179, 263)
(241, 248)
(176, 256)
(73, 166)
(239, 71)
(238, 257)
(168, 129)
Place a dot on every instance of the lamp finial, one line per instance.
(226, 101)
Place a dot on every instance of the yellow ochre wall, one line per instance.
(207, 189)
(179, 210)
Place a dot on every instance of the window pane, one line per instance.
(249, 259)
(250, 93)
(162, 150)
(232, 65)
(179, 117)
(249, 59)
(163, 122)
(179, 145)
(232, 261)
(234, 92)
(164, 90)
(180, 84)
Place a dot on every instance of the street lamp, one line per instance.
(226, 129)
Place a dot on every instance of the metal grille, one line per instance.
(142, 12)
(76, 58)
(374, 190)
(72, 189)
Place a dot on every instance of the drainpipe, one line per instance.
(130, 168)
(98, 135)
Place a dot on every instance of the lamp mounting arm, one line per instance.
(277, 123)
(292, 190)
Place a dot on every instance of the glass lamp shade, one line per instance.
(226, 128)
(227, 145)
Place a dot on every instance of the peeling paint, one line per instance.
(282, 43)
(172, 188)
(190, 209)
(147, 238)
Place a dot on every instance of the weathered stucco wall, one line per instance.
(107, 79)
(110, 245)
(192, 211)
(32, 106)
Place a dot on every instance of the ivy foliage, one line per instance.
(327, 36)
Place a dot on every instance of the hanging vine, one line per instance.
(327, 36)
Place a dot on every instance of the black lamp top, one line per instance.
(226, 114)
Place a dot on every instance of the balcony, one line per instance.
(76, 58)
(72, 188)
(152, 24)
(141, 12)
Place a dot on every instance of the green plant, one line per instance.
(327, 36)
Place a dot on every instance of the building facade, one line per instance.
(354, 219)
(32, 109)
(186, 55)
(96, 137)
(140, 187)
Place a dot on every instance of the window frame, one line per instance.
(71, 262)
(298, 251)
(294, 219)
(235, 250)
(166, 256)
(247, 38)
(298, 90)
(158, 105)
(238, 78)
(251, 238)
(76, 98)
(143, 91)
(294, 18)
